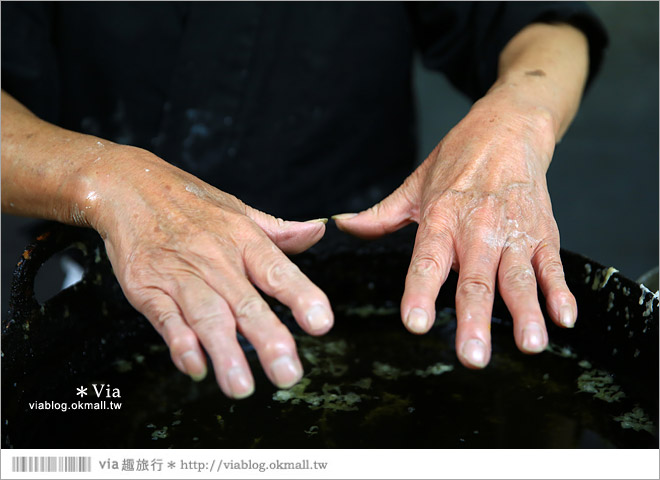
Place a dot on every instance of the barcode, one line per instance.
(51, 464)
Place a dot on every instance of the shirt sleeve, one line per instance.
(463, 40)
(29, 63)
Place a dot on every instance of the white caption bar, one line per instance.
(358, 464)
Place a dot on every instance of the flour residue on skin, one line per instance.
(100, 145)
(77, 215)
(516, 239)
(195, 190)
(492, 240)
(91, 197)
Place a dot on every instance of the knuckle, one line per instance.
(276, 346)
(181, 343)
(376, 209)
(425, 266)
(242, 229)
(280, 274)
(519, 277)
(563, 296)
(250, 308)
(475, 286)
(166, 320)
(245, 222)
(236, 216)
(552, 269)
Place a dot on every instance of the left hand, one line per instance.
(483, 208)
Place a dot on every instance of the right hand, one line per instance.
(187, 255)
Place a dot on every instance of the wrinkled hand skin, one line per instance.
(191, 257)
(483, 209)
(188, 256)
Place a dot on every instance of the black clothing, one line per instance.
(299, 109)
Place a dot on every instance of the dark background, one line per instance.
(604, 177)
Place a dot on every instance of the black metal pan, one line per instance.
(368, 383)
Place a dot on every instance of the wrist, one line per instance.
(521, 113)
(526, 102)
(103, 186)
(546, 65)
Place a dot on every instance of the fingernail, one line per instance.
(194, 365)
(240, 383)
(474, 351)
(417, 320)
(344, 216)
(533, 338)
(566, 316)
(285, 371)
(318, 220)
(318, 317)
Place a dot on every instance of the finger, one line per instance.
(255, 320)
(431, 261)
(474, 301)
(391, 214)
(212, 321)
(165, 316)
(290, 237)
(560, 302)
(517, 286)
(270, 270)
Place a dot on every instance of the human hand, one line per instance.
(483, 209)
(187, 255)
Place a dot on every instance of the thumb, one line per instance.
(290, 237)
(389, 215)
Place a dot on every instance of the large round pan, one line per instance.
(368, 383)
